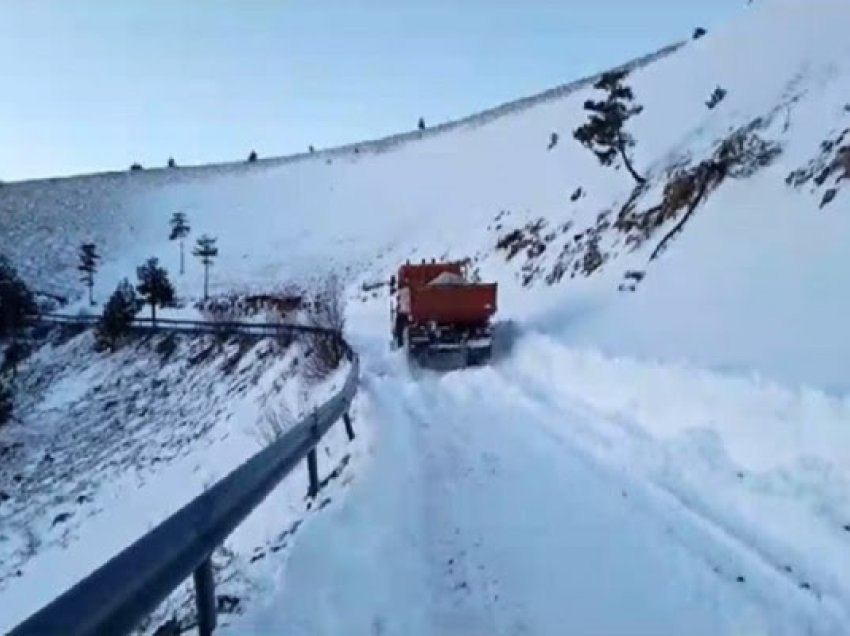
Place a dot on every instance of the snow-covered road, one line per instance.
(474, 519)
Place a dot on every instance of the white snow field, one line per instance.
(108, 445)
(661, 445)
(497, 505)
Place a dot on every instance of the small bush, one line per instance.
(509, 240)
(828, 197)
(273, 424)
(6, 405)
(325, 352)
(842, 162)
(252, 157)
(744, 153)
(553, 141)
(15, 353)
(699, 32)
(593, 258)
(136, 167)
(172, 163)
(716, 97)
(221, 319)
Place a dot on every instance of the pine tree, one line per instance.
(604, 132)
(179, 230)
(88, 267)
(17, 302)
(206, 250)
(154, 286)
(172, 163)
(252, 157)
(118, 314)
(421, 123)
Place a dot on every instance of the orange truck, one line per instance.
(440, 315)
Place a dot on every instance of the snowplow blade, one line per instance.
(448, 357)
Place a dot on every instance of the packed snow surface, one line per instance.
(497, 502)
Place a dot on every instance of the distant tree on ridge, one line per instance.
(88, 267)
(179, 230)
(206, 250)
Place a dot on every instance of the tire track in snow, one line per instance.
(468, 486)
(494, 461)
(465, 596)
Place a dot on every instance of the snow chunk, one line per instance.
(449, 278)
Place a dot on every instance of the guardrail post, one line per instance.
(312, 459)
(205, 597)
(346, 417)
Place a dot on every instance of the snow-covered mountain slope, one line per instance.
(705, 375)
(106, 445)
(744, 267)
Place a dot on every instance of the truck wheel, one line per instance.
(480, 355)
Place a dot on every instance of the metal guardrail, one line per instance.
(117, 596)
(260, 329)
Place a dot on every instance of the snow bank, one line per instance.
(766, 464)
(764, 425)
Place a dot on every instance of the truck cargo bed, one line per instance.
(452, 304)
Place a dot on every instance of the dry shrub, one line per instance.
(842, 162)
(275, 421)
(274, 317)
(744, 153)
(220, 318)
(593, 258)
(739, 156)
(524, 238)
(325, 351)
(679, 192)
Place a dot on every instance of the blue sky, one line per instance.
(94, 85)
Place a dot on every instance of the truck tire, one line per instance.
(480, 355)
